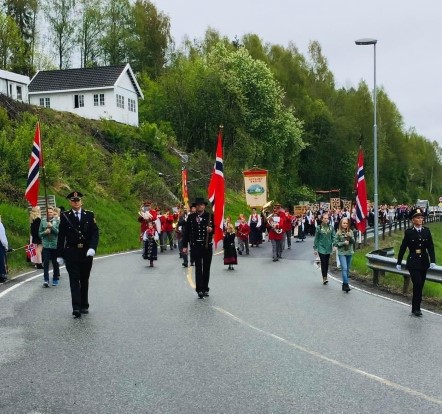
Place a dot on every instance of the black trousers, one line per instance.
(202, 256)
(79, 273)
(418, 277)
(325, 259)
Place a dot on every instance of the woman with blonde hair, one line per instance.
(344, 241)
(35, 220)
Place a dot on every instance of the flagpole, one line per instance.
(44, 175)
(220, 131)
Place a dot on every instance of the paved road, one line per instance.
(269, 339)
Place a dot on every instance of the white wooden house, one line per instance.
(14, 85)
(109, 92)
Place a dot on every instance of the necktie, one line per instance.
(77, 214)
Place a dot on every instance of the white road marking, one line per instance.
(322, 357)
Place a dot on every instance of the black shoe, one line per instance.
(76, 314)
(247, 252)
(39, 266)
(275, 260)
(184, 264)
(206, 293)
(346, 288)
(3, 279)
(417, 313)
(324, 281)
(200, 295)
(191, 263)
(84, 310)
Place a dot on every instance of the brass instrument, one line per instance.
(265, 207)
(145, 214)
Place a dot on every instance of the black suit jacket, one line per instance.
(196, 232)
(75, 238)
(421, 249)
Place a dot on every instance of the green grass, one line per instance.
(391, 281)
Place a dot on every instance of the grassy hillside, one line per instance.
(116, 166)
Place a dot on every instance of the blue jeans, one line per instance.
(345, 260)
(50, 255)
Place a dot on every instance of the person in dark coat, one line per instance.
(77, 243)
(230, 256)
(421, 256)
(198, 233)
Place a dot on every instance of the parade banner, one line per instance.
(184, 188)
(347, 204)
(335, 203)
(255, 185)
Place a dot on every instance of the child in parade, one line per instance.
(230, 257)
(150, 238)
(344, 241)
(243, 231)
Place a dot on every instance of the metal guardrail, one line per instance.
(388, 228)
(382, 260)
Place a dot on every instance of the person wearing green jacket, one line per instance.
(344, 241)
(48, 232)
(323, 244)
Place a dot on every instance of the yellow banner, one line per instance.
(255, 185)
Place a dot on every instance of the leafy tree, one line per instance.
(90, 33)
(24, 13)
(150, 39)
(11, 43)
(62, 19)
(117, 31)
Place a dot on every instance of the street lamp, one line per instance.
(373, 42)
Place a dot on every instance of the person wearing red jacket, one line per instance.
(242, 233)
(167, 220)
(276, 235)
(145, 215)
(287, 226)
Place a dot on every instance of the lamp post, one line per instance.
(373, 42)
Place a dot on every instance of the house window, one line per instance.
(120, 101)
(78, 101)
(99, 99)
(45, 102)
(131, 105)
(19, 93)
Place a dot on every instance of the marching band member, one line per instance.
(242, 233)
(276, 234)
(167, 220)
(287, 226)
(145, 215)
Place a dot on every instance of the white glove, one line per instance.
(90, 252)
(432, 265)
(398, 267)
(60, 261)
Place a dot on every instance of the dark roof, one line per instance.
(81, 78)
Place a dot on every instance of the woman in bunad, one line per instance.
(276, 234)
(301, 229)
(254, 223)
(150, 238)
(230, 256)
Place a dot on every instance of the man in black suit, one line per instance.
(77, 243)
(198, 232)
(421, 256)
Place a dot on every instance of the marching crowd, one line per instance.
(71, 238)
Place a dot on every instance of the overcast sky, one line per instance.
(408, 52)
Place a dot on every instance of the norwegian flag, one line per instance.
(33, 183)
(361, 195)
(216, 192)
(31, 250)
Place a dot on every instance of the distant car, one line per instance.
(256, 189)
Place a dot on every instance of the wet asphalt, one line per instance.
(271, 338)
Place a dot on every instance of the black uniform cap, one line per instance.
(74, 195)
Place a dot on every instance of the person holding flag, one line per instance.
(198, 232)
(202, 227)
(361, 212)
